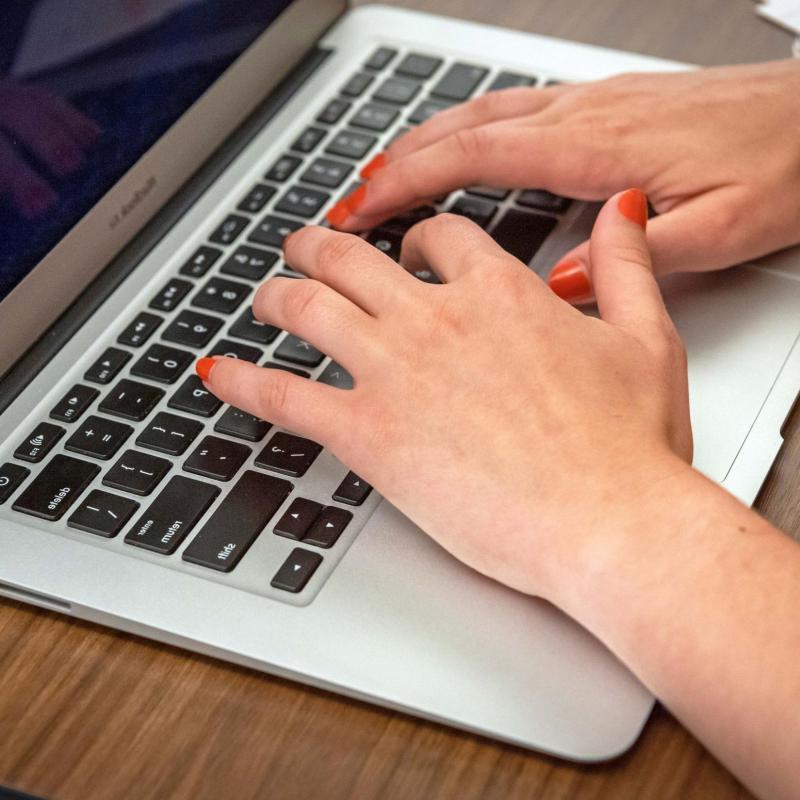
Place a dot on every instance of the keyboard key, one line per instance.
(200, 263)
(386, 241)
(229, 229)
(225, 347)
(56, 487)
(255, 200)
(426, 109)
(396, 135)
(297, 570)
(298, 351)
(335, 375)
(131, 400)
(297, 519)
(474, 208)
(309, 139)
(217, 458)
(325, 172)
(169, 433)
(333, 112)
(237, 522)
(374, 118)
(140, 330)
(195, 398)
(286, 368)
(107, 367)
(352, 490)
(288, 454)
(283, 168)
(273, 230)
(380, 58)
(249, 262)
(418, 66)
(98, 437)
(543, 200)
(327, 527)
(39, 442)
(171, 294)
(11, 476)
(302, 202)
(522, 234)
(238, 423)
(425, 275)
(397, 91)
(74, 403)
(103, 514)
(351, 144)
(192, 329)
(172, 515)
(507, 80)
(459, 82)
(357, 84)
(161, 363)
(221, 295)
(248, 327)
(137, 473)
(492, 192)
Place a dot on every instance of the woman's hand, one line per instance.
(500, 419)
(716, 151)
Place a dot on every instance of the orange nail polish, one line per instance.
(203, 367)
(338, 214)
(378, 162)
(570, 281)
(354, 200)
(633, 206)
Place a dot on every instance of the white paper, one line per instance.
(785, 13)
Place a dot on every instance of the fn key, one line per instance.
(296, 570)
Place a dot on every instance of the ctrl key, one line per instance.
(56, 487)
(296, 570)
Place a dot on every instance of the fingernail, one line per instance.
(378, 162)
(355, 200)
(570, 281)
(203, 368)
(336, 216)
(633, 206)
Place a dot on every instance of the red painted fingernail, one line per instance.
(633, 206)
(355, 199)
(203, 368)
(336, 216)
(378, 162)
(570, 281)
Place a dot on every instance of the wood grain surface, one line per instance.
(89, 713)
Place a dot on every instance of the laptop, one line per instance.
(131, 497)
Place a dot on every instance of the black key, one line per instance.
(357, 84)
(74, 403)
(283, 168)
(351, 144)
(195, 398)
(397, 91)
(380, 58)
(543, 200)
(286, 368)
(298, 351)
(221, 295)
(225, 347)
(217, 458)
(288, 454)
(297, 519)
(140, 330)
(333, 112)
(522, 234)
(328, 527)
(56, 487)
(459, 82)
(172, 515)
(255, 200)
(98, 437)
(273, 230)
(137, 473)
(396, 135)
(238, 520)
(248, 327)
(425, 275)
(131, 400)
(474, 208)
(169, 433)
(337, 376)
(200, 263)
(352, 490)
(249, 262)
(171, 294)
(162, 363)
(401, 224)
(426, 109)
(374, 118)
(238, 423)
(107, 367)
(492, 192)
(386, 241)
(506, 80)
(418, 66)
(297, 570)
(325, 172)
(39, 442)
(192, 329)
(229, 229)
(11, 476)
(103, 514)
(302, 202)
(309, 139)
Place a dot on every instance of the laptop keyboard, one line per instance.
(138, 455)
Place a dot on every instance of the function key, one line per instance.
(492, 192)
(98, 437)
(297, 519)
(398, 91)
(103, 514)
(137, 473)
(543, 200)
(309, 139)
(459, 82)
(195, 398)
(326, 172)
(283, 168)
(288, 454)
(249, 262)
(169, 433)
(171, 294)
(298, 351)
(328, 527)
(273, 230)
(244, 352)
(302, 202)
(522, 234)
(374, 117)
(74, 403)
(229, 229)
(107, 367)
(238, 423)
(337, 376)
(507, 80)
(297, 570)
(56, 487)
(11, 476)
(350, 144)
(161, 363)
(357, 84)
(474, 208)
(417, 65)
(380, 58)
(39, 442)
(256, 198)
(140, 330)
(217, 458)
(248, 327)
(426, 109)
(131, 400)
(332, 112)
(352, 490)
(202, 260)
(221, 295)
(192, 329)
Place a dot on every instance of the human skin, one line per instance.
(549, 450)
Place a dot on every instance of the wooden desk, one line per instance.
(86, 713)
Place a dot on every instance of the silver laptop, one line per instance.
(131, 497)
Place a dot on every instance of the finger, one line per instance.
(346, 263)
(305, 407)
(48, 141)
(85, 130)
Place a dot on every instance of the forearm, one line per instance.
(699, 596)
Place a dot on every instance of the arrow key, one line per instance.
(298, 518)
(328, 527)
(352, 490)
(296, 570)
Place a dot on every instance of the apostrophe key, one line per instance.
(217, 458)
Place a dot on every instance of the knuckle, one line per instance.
(470, 143)
(299, 298)
(274, 394)
(632, 255)
(335, 251)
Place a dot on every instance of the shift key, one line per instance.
(172, 515)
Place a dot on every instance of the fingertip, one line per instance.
(203, 367)
(570, 280)
(376, 164)
(632, 204)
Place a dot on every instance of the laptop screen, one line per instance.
(86, 87)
